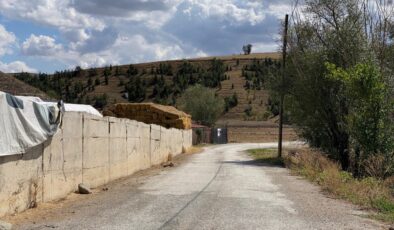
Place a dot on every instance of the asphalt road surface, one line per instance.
(221, 188)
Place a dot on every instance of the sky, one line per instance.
(50, 35)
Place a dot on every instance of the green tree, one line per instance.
(136, 89)
(107, 71)
(344, 34)
(230, 102)
(101, 101)
(202, 103)
(132, 71)
(369, 122)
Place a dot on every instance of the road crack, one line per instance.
(193, 199)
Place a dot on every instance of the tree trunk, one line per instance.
(344, 151)
(357, 162)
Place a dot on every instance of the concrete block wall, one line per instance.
(21, 181)
(62, 159)
(86, 149)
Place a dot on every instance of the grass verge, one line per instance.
(266, 156)
(370, 193)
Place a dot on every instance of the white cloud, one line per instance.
(152, 13)
(102, 32)
(16, 67)
(49, 12)
(125, 50)
(40, 45)
(7, 40)
(75, 35)
(279, 9)
(234, 11)
(265, 47)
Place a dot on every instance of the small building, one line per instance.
(201, 134)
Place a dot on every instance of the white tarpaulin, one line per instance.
(25, 123)
(82, 108)
(76, 108)
(67, 107)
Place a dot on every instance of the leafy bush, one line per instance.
(202, 103)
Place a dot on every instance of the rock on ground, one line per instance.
(84, 189)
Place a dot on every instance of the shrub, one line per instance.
(202, 103)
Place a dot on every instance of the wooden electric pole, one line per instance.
(282, 82)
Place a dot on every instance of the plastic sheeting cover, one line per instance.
(25, 124)
(76, 108)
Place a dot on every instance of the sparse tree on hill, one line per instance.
(247, 49)
(92, 72)
(107, 71)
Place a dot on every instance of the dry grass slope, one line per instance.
(10, 84)
(255, 98)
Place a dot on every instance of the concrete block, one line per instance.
(155, 132)
(117, 150)
(155, 152)
(62, 161)
(117, 127)
(20, 181)
(95, 127)
(187, 139)
(133, 129)
(72, 125)
(95, 161)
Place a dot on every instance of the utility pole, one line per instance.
(282, 94)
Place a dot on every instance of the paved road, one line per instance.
(221, 188)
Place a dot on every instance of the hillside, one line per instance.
(163, 82)
(10, 84)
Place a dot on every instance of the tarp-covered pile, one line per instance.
(25, 123)
(67, 107)
(150, 113)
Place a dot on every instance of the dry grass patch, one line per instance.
(368, 192)
(193, 150)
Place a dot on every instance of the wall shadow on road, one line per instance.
(268, 162)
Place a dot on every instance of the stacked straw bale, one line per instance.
(151, 113)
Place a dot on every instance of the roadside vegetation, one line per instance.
(339, 94)
(368, 192)
(339, 83)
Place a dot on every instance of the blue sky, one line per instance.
(50, 35)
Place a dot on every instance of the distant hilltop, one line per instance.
(239, 79)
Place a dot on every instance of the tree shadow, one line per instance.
(274, 162)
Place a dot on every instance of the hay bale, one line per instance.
(151, 113)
